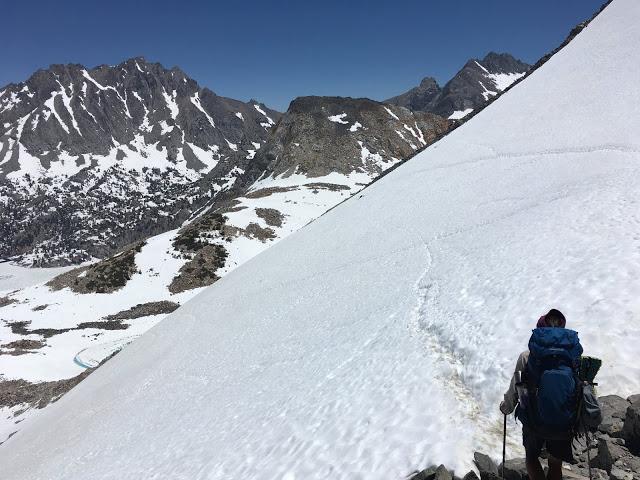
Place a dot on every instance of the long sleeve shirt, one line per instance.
(511, 395)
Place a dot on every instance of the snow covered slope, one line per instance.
(51, 332)
(389, 332)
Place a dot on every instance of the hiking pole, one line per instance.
(588, 455)
(504, 445)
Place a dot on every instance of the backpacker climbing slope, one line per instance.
(550, 396)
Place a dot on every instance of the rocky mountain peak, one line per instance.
(503, 63)
(319, 135)
(429, 83)
(470, 88)
(77, 138)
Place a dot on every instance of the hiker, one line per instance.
(543, 393)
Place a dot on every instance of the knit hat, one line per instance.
(553, 314)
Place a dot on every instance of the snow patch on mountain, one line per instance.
(338, 118)
(458, 114)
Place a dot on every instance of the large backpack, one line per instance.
(552, 381)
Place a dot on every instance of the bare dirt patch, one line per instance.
(21, 328)
(253, 230)
(4, 301)
(201, 270)
(333, 187)
(106, 276)
(144, 310)
(233, 206)
(271, 216)
(265, 192)
(198, 234)
(21, 347)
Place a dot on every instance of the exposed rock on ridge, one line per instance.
(468, 90)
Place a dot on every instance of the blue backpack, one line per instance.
(553, 386)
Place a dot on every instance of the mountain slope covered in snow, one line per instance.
(324, 150)
(94, 159)
(389, 333)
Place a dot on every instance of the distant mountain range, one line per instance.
(469, 89)
(92, 160)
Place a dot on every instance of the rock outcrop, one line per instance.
(611, 457)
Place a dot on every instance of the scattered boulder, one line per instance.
(614, 409)
(596, 474)
(580, 451)
(515, 469)
(471, 476)
(487, 467)
(426, 474)
(627, 464)
(436, 473)
(443, 474)
(609, 451)
(631, 427)
(617, 474)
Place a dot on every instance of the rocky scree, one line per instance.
(614, 450)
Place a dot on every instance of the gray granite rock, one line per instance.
(514, 469)
(614, 409)
(609, 451)
(443, 474)
(631, 428)
(471, 476)
(486, 466)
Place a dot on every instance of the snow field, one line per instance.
(13, 277)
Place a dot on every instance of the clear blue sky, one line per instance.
(275, 50)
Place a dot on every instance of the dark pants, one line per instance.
(533, 445)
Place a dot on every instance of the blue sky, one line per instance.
(276, 50)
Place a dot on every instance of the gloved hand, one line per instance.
(503, 409)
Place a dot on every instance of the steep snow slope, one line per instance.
(51, 332)
(388, 334)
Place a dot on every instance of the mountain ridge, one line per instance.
(74, 139)
(469, 89)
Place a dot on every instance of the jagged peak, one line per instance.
(503, 63)
(497, 55)
(429, 82)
